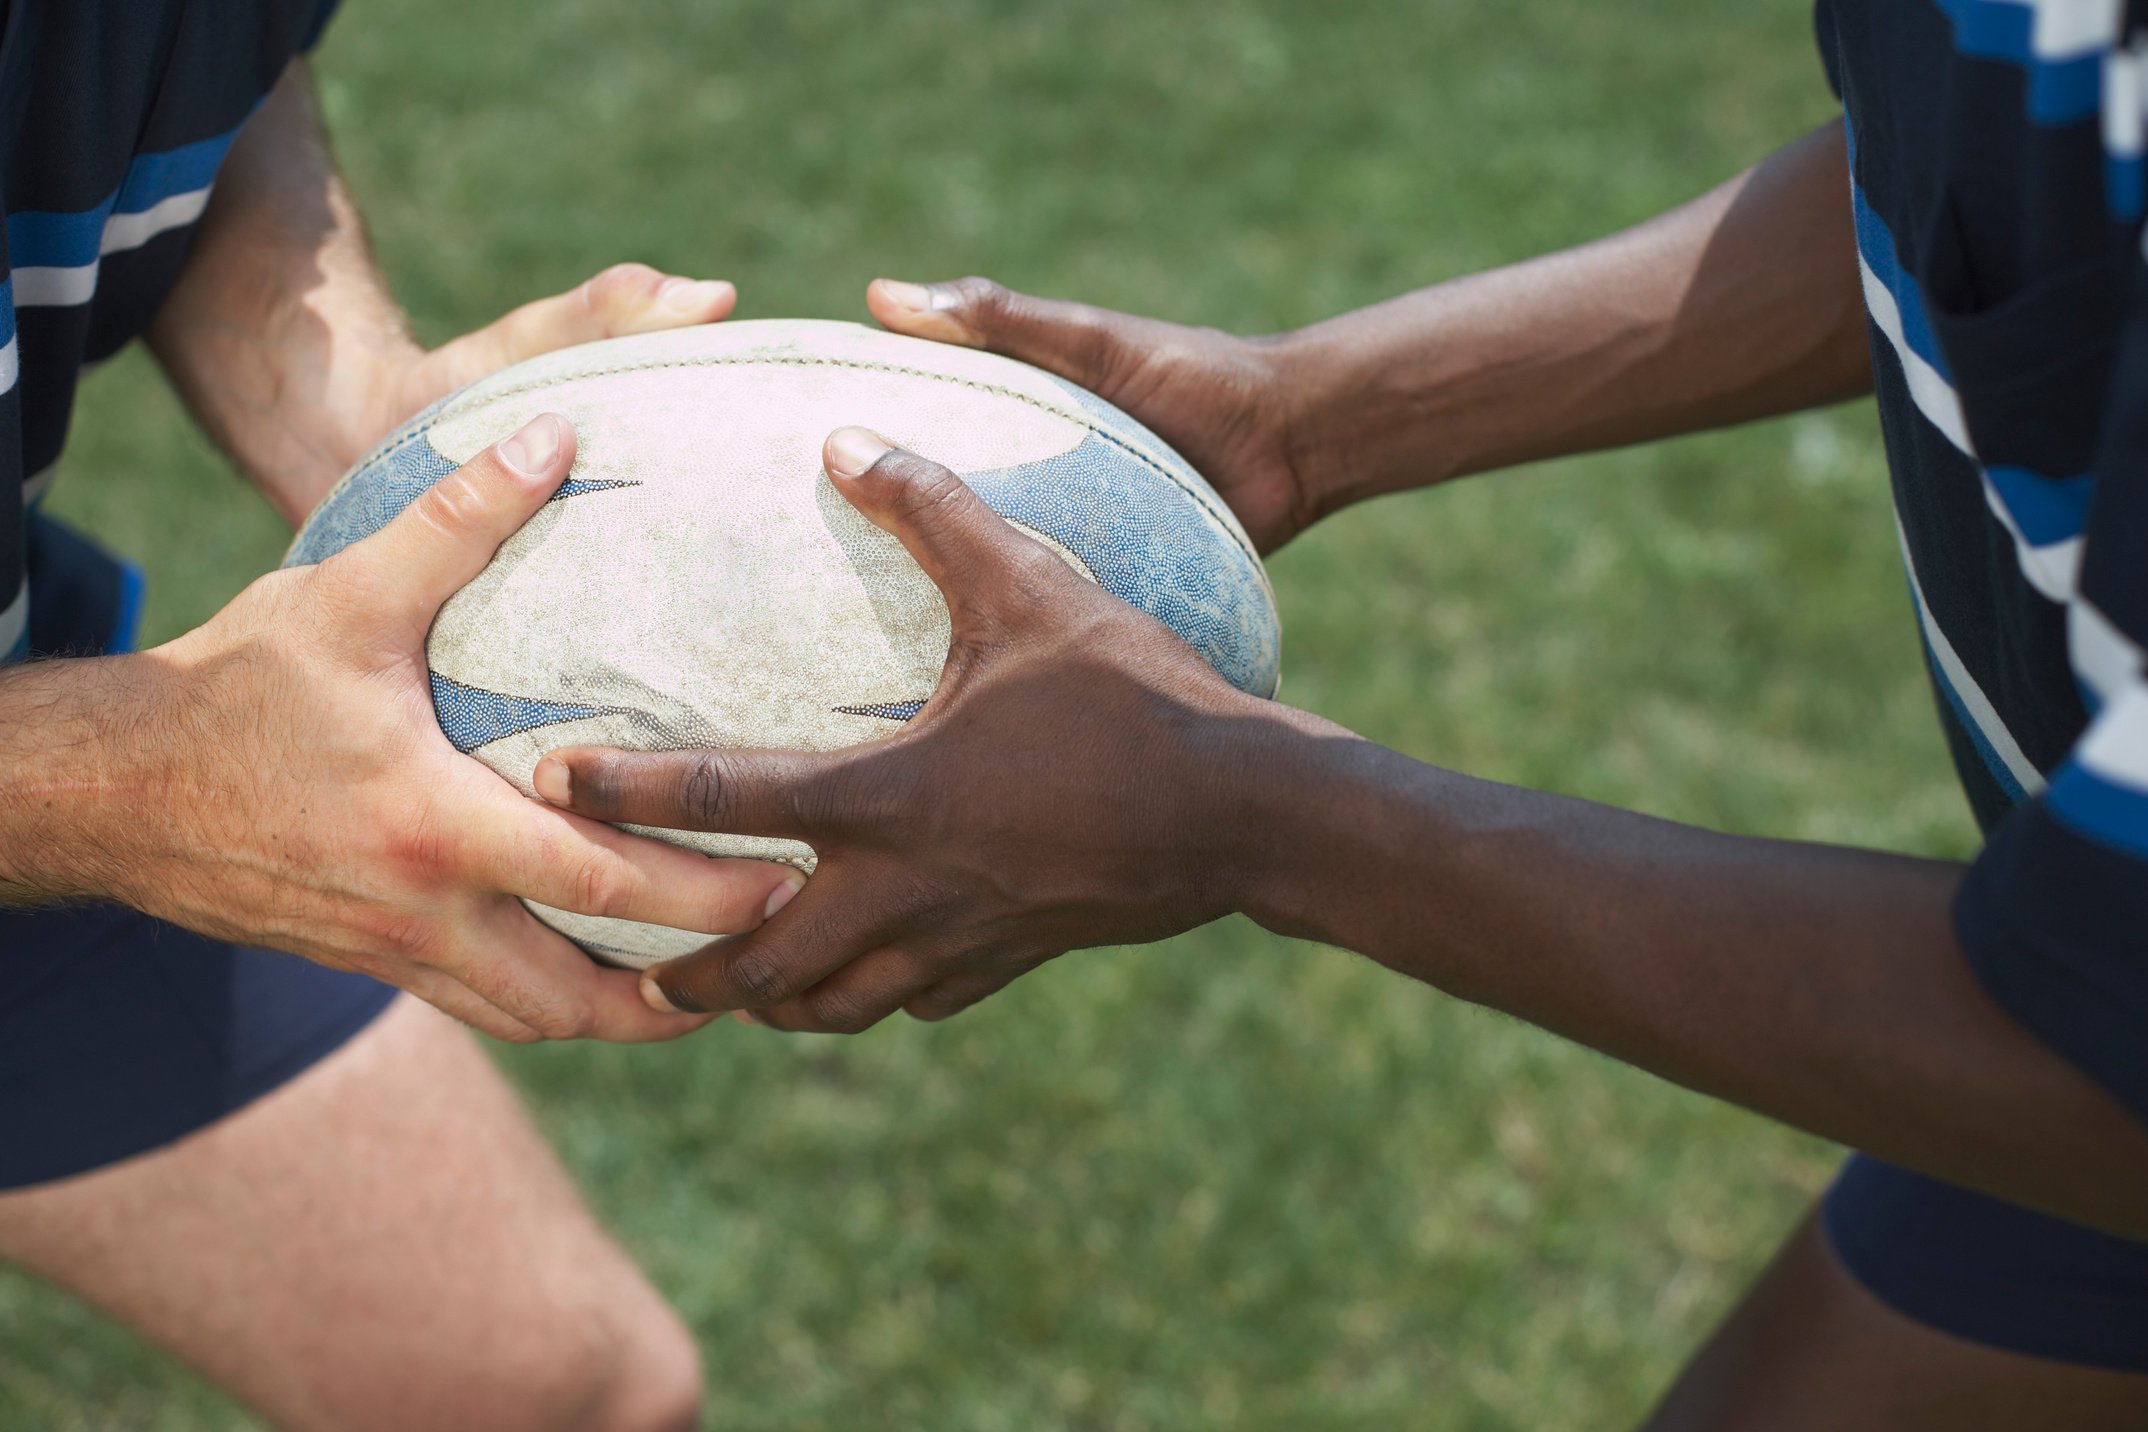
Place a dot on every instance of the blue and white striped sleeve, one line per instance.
(2054, 915)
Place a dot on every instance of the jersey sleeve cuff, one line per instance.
(2055, 927)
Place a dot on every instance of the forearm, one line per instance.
(1742, 304)
(1819, 985)
(68, 794)
(281, 330)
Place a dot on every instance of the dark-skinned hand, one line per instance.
(1223, 401)
(1061, 789)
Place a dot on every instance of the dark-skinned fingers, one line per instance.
(1080, 343)
(857, 996)
(771, 793)
(832, 922)
(957, 993)
(457, 1001)
(967, 549)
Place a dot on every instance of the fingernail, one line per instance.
(915, 296)
(683, 295)
(783, 894)
(532, 451)
(652, 995)
(852, 450)
(553, 781)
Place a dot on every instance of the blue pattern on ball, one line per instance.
(370, 500)
(885, 710)
(473, 717)
(1142, 532)
(387, 485)
(1147, 541)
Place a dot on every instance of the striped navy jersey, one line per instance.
(1996, 162)
(114, 115)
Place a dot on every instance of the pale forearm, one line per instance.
(1739, 305)
(68, 795)
(1820, 985)
(281, 332)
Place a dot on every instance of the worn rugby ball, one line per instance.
(698, 582)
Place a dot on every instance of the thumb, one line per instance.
(964, 546)
(1081, 343)
(436, 545)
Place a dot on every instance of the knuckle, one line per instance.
(761, 979)
(407, 937)
(706, 791)
(424, 846)
(559, 1018)
(1094, 339)
(574, 1021)
(981, 297)
(936, 1004)
(929, 491)
(839, 1011)
(621, 283)
(450, 507)
(603, 885)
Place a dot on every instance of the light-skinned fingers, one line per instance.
(623, 299)
(539, 977)
(458, 1001)
(730, 792)
(438, 543)
(571, 862)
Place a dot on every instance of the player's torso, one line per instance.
(114, 118)
(1992, 226)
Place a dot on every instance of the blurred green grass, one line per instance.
(1227, 1182)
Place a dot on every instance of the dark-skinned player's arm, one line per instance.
(1082, 777)
(285, 341)
(1741, 304)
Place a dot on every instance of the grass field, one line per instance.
(1228, 1182)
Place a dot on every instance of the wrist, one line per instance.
(1281, 839)
(1361, 398)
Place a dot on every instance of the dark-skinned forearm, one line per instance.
(1742, 304)
(1822, 986)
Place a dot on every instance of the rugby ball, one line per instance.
(698, 582)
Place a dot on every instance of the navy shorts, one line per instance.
(118, 1033)
(1987, 1271)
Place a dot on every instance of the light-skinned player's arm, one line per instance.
(283, 338)
(1082, 777)
(1741, 304)
(277, 778)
